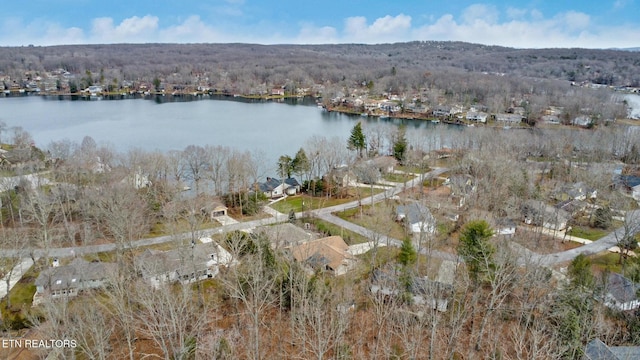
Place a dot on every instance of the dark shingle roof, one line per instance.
(621, 288)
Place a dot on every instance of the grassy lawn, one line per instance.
(371, 216)
(587, 232)
(330, 229)
(607, 262)
(399, 178)
(15, 317)
(414, 169)
(295, 203)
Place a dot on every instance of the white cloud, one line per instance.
(388, 28)
(575, 20)
(515, 13)
(311, 34)
(480, 13)
(192, 30)
(478, 23)
(526, 29)
(133, 29)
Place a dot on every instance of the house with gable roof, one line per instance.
(621, 293)
(328, 254)
(274, 188)
(416, 217)
(69, 280)
(185, 265)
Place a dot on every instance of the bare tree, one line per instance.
(170, 317)
(252, 284)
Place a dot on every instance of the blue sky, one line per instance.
(534, 23)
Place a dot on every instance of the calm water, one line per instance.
(272, 128)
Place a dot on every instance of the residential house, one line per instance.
(68, 280)
(460, 184)
(582, 120)
(480, 117)
(292, 186)
(216, 208)
(575, 191)
(505, 227)
(436, 293)
(326, 254)
(94, 90)
(621, 293)
(441, 110)
(538, 213)
(508, 119)
(277, 91)
(343, 176)
(285, 235)
(597, 350)
(185, 265)
(573, 207)
(416, 217)
(389, 106)
(275, 188)
(551, 119)
(631, 183)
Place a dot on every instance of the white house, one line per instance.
(480, 117)
(417, 218)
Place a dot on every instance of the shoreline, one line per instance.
(307, 100)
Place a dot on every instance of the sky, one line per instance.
(520, 24)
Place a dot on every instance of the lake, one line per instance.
(165, 123)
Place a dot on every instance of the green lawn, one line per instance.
(295, 203)
(607, 261)
(587, 232)
(399, 178)
(15, 317)
(334, 230)
(414, 169)
(393, 229)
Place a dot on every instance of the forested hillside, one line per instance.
(319, 63)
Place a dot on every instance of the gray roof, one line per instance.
(597, 350)
(183, 260)
(285, 234)
(621, 288)
(414, 213)
(73, 275)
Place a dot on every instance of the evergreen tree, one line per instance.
(580, 272)
(408, 254)
(475, 248)
(357, 140)
(400, 144)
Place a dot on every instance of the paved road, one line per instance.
(325, 213)
(602, 244)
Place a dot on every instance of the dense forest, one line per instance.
(319, 63)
